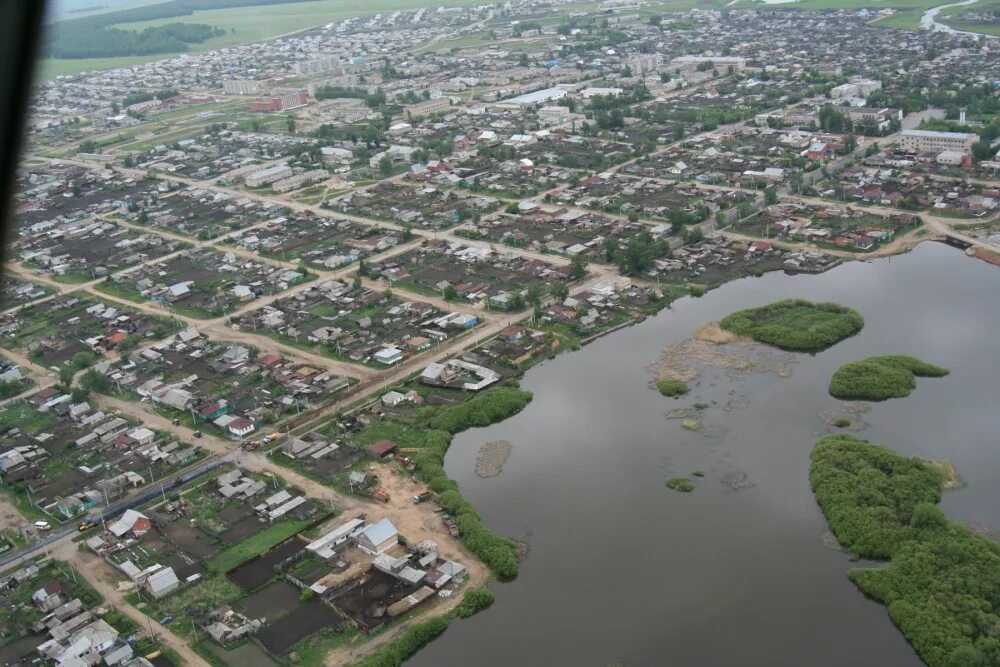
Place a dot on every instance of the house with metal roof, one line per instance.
(378, 537)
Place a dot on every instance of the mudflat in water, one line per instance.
(622, 569)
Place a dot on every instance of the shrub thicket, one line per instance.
(482, 410)
(796, 324)
(475, 600)
(880, 378)
(407, 644)
(499, 553)
(941, 585)
(682, 484)
(672, 387)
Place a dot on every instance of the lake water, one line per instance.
(622, 569)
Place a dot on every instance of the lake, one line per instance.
(622, 569)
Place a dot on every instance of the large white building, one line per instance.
(926, 141)
(267, 175)
(241, 87)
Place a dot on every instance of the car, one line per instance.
(197, 434)
(42, 525)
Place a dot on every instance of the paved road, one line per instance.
(115, 509)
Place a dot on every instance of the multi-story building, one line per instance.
(427, 108)
(317, 65)
(919, 141)
(280, 102)
(241, 87)
(267, 175)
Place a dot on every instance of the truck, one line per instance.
(381, 495)
(422, 497)
(88, 522)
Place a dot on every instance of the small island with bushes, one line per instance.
(881, 378)
(682, 484)
(672, 387)
(940, 585)
(796, 325)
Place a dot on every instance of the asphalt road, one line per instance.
(115, 509)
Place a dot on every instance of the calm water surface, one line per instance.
(623, 569)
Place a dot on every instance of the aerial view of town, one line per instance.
(535, 332)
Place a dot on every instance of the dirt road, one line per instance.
(99, 575)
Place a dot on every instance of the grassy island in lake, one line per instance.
(672, 387)
(880, 378)
(796, 324)
(940, 585)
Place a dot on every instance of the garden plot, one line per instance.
(655, 199)
(573, 151)
(510, 177)
(89, 249)
(319, 241)
(355, 323)
(221, 152)
(14, 292)
(203, 283)
(198, 213)
(752, 157)
(67, 457)
(719, 260)
(21, 610)
(834, 225)
(72, 330)
(290, 620)
(415, 205)
(557, 230)
(478, 275)
(912, 191)
(228, 385)
(51, 196)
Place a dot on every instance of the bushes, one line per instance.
(941, 585)
(499, 553)
(682, 484)
(796, 324)
(407, 644)
(868, 493)
(672, 387)
(482, 410)
(474, 601)
(880, 378)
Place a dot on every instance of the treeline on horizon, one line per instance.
(94, 36)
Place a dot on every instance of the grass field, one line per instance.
(254, 545)
(253, 24)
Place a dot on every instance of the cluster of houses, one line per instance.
(76, 636)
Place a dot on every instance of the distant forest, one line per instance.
(93, 36)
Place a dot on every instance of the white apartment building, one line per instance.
(241, 87)
(267, 175)
(925, 141)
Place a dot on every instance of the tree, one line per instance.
(372, 136)
(981, 150)
(450, 293)
(578, 267)
(127, 162)
(770, 196)
(290, 124)
(560, 291)
(385, 165)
